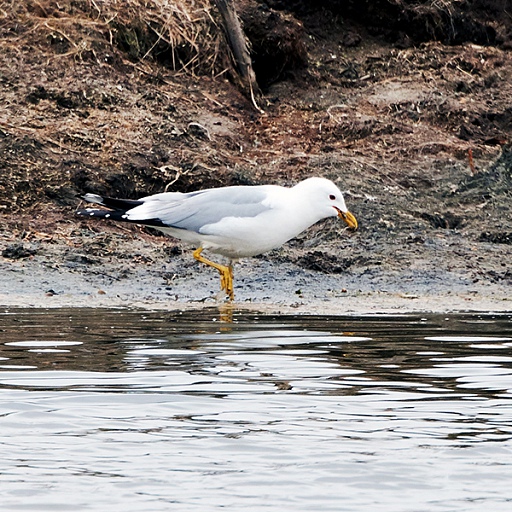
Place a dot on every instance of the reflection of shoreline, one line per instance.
(366, 354)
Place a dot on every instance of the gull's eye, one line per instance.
(332, 197)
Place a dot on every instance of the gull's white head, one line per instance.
(326, 199)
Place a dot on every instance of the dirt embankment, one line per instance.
(406, 106)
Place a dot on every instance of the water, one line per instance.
(150, 411)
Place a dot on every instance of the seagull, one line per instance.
(235, 222)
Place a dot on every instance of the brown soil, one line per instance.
(407, 106)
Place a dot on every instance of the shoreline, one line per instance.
(262, 287)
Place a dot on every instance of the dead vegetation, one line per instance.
(182, 35)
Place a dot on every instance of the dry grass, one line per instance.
(181, 34)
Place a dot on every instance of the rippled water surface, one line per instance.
(124, 410)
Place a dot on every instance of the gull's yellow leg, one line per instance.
(226, 273)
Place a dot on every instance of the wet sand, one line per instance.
(261, 285)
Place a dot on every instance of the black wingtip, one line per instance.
(118, 215)
(100, 214)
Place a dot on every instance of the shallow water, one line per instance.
(153, 411)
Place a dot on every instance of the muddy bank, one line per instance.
(147, 276)
(416, 132)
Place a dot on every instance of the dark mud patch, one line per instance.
(500, 277)
(496, 238)
(447, 220)
(277, 42)
(412, 22)
(322, 262)
(18, 251)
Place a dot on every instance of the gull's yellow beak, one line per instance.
(348, 218)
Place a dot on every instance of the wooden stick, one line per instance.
(239, 47)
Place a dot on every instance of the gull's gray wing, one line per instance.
(195, 210)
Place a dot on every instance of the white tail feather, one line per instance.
(93, 198)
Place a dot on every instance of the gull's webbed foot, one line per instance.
(226, 273)
(226, 281)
